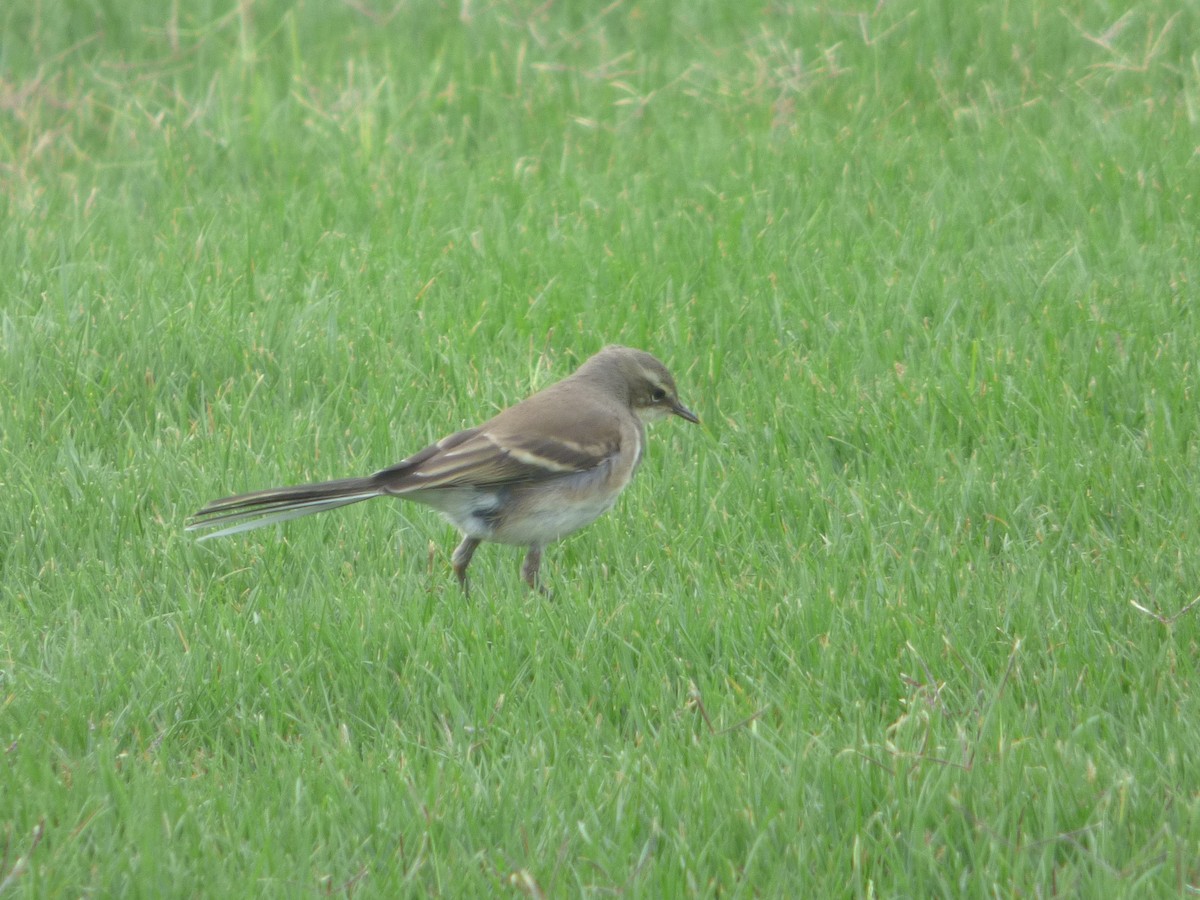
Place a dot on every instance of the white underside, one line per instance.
(534, 514)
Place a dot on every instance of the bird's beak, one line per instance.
(684, 413)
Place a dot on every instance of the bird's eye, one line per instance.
(658, 395)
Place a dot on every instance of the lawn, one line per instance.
(911, 613)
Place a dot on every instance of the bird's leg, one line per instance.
(529, 568)
(461, 559)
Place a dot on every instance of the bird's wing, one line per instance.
(509, 449)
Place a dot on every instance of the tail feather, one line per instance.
(243, 512)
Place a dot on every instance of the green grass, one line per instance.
(906, 617)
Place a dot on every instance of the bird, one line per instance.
(531, 475)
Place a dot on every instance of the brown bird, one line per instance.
(530, 475)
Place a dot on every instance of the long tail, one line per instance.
(245, 511)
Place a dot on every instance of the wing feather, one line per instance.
(506, 450)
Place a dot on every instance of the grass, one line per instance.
(908, 616)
